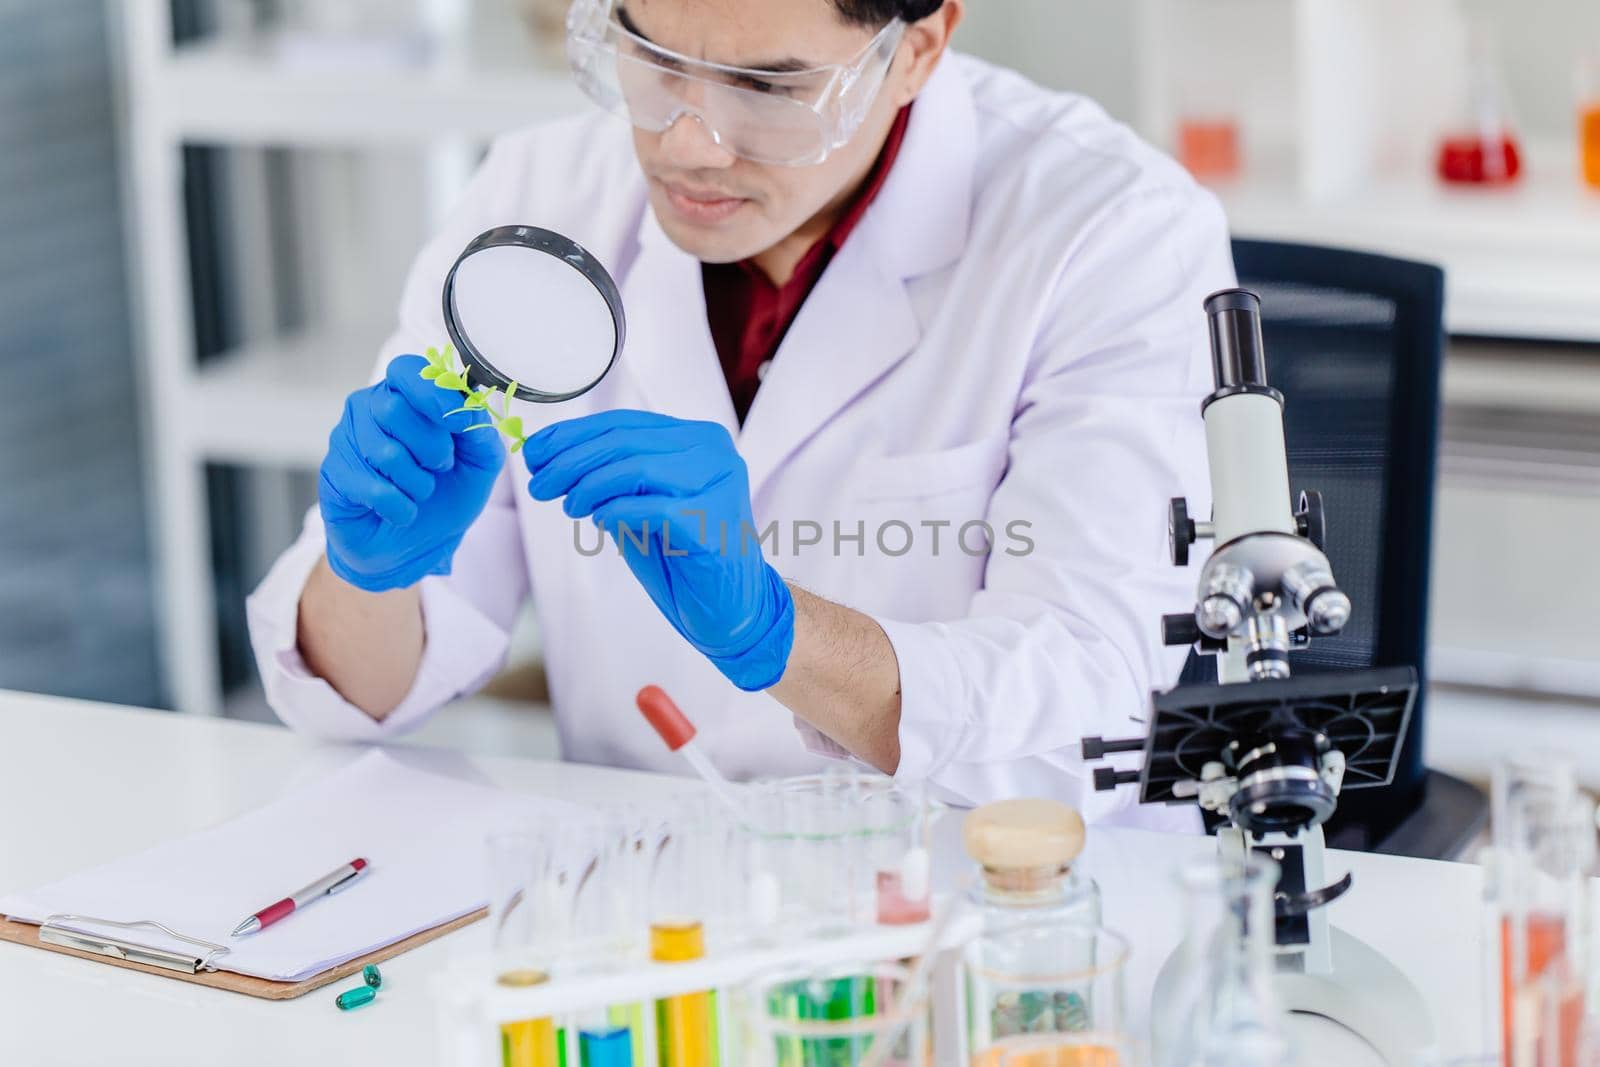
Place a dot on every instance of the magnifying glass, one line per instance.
(530, 306)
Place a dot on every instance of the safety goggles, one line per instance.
(785, 118)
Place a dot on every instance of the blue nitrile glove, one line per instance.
(401, 482)
(701, 559)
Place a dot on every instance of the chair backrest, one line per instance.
(1355, 343)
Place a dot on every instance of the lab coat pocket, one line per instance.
(921, 475)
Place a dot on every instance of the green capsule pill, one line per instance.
(370, 975)
(351, 999)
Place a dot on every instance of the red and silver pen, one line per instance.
(283, 908)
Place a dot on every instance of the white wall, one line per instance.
(1542, 42)
(1090, 46)
(1083, 45)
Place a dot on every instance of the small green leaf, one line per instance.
(431, 373)
(477, 402)
(452, 380)
(516, 446)
(512, 427)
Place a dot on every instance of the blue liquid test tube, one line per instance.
(606, 1047)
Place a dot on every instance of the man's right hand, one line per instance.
(402, 481)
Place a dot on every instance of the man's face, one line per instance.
(711, 203)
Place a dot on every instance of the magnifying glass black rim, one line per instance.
(479, 370)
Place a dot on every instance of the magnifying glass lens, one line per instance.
(530, 306)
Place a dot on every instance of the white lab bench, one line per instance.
(83, 783)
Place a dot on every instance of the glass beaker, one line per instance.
(1219, 1007)
(1064, 1050)
(837, 851)
(833, 1017)
(1031, 980)
(1544, 845)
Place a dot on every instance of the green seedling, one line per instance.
(443, 370)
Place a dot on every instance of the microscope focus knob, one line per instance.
(1181, 532)
(1311, 520)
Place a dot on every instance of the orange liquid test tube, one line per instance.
(1546, 944)
(683, 1022)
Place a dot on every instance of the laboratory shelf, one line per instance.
(273, 403)
(242, 92)
(1531, 379)
(1520, 262)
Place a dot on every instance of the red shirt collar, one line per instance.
(811, 265)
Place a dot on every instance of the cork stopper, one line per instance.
(1023, 844)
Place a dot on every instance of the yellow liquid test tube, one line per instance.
(531, 1042)
(684, 1023)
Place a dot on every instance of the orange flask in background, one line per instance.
(1589, 140)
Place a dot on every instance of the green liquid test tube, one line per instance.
(351, 999)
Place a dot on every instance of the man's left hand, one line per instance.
(675, 497)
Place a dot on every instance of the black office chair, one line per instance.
(1355, 343)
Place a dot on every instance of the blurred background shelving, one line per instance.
(325, 144)
(245, 92)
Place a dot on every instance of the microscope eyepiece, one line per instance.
(1238, 354)
(1233, 300)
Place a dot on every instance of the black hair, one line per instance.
(879, 12)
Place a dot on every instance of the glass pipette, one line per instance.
(679, 734)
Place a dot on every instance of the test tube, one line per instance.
(763, 844)
(842, 797)
(610, 914)
(1544, 843)
(518, 869)
(685, 1024)
(603, 1043)
(898, 843)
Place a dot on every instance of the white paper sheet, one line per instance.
(422, 833)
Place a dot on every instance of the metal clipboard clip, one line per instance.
(53, 933)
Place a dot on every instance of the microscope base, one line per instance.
(1368, 995)
(1365, 993)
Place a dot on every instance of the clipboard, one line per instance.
(199, 969)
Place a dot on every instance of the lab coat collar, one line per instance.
(670, 353)
(856, 324)
(919, 221)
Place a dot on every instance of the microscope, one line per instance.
(1266, 753)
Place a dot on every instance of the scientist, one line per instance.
(915, 357)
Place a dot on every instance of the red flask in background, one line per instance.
(1477, 160)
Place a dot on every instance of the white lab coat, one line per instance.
(1013, 333)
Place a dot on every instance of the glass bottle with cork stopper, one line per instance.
(1027, 851)
(1027, 973)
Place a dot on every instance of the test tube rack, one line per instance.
(471, 1007)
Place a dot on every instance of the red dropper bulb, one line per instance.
(665, 717)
